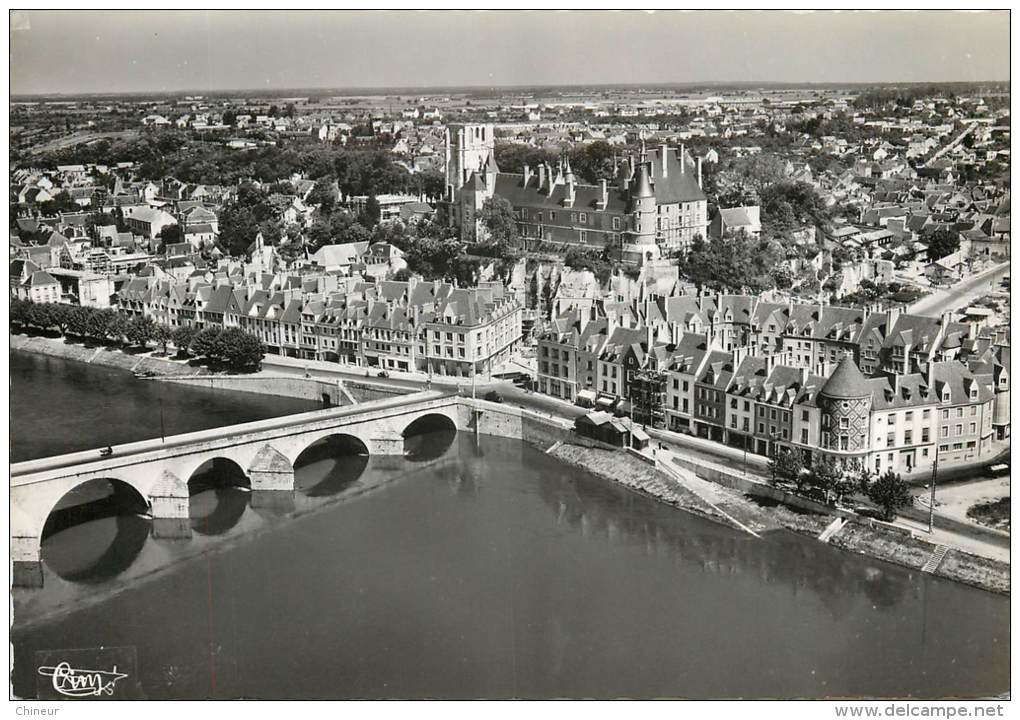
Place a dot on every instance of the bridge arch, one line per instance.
(429, 436)
(299, 445)
(100, 551)
(212, 471)
(330, 464)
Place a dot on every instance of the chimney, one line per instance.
(665, 165)
(527, 174)
(699, 172)
(604, 200)
(541, 175)
(683, 158)
(893, 315)
(649, 336)
(972, 331)
(803, 376)
(947, 317)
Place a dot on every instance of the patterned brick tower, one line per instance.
(845, 402)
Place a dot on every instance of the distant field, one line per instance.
(80, 139)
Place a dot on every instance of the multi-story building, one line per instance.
(653, 206)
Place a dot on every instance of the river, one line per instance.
(482, 568)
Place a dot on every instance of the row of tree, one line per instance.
(230, 348)
(833, 480)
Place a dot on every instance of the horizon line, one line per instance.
(390, 89)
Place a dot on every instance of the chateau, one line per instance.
(653, 206)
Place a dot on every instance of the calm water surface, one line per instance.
(485, 569)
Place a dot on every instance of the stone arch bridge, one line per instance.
(266, 450)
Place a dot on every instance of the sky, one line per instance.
(160, 51)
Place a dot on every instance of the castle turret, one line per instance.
(639, 244)
(845, 401)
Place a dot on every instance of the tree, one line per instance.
(117, 327)
(171, 234)
(40, 315)
(240, 351)
(139, 331)
(734, 262)
(372, 213)
(183, 337)
(499, 222)
(206, 344)
(942, 241)
(60, 316)
(162, 335)
(20, 311)
(787, 464)
(826, 475)
(78, 321)
(890, 493)
(761, 171)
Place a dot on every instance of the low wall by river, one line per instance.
(107, 357)
(280, 385)
(737, 481)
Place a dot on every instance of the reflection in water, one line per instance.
(219, 495)
(330, 466)
(783, 558)
(429, 437)
(95, 531)
(498, 571)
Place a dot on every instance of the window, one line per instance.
(945, 414)
(908, 416)
(804, 436)
(772, 414)
(959, 412)
(973, 410)
(616, 223)
(552, 214)
(908, 437)
(959, 429)
(945, 431)
(573, 217)
(804, 415)
(582, 236)
(926, 415)
(890, 439)
(924, 435)
(761, 428)
(973, 428)
(844, 423)
(584, 217)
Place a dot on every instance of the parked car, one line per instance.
(383, 374)
(493, 396)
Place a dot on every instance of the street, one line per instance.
(960, 294)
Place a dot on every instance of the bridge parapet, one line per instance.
(266, 451)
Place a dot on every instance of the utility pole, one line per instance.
(632, 424)
(931, 499)
(162, 425)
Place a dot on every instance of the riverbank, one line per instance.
(167, 369)
(624, 469)
(101, 355)
(759, 513)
